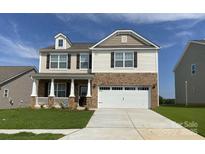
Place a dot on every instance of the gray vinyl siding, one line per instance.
(195, 54)
(19, 89)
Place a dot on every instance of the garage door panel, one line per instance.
(130, 98)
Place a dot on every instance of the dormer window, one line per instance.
(123, 39)
(60, 43)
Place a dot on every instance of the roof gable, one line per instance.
(187, 48)
(134, 40)
(9, 72)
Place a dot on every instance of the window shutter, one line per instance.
(135, 59)
(48, 61)
(112, 59)
(46, 89)
(90, 61)
(69, 61)
(68, 89)
(78, 61)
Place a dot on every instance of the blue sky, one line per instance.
(21, 35)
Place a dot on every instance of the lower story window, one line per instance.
(143, 88)
(59, 88)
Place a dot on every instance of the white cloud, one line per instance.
(184, 34)
(167, 45)
(16, 48)
(135, 18)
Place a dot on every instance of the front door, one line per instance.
(82, 94)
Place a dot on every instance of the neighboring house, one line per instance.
(15, 86)
(190, 74)
(120, 71)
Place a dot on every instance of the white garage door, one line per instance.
(123, 97)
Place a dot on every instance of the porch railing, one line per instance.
(42, 100)
(61, 100)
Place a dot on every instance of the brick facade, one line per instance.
(110, 79)
(125, 79)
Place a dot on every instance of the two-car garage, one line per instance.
(124, 97)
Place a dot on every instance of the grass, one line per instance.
(30, 136)
(27, 118)
(192, 118)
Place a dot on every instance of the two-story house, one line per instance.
(120, 71)
(190, 75)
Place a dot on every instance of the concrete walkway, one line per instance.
(130, 124)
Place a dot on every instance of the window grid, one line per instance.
(58, 61)
(125, 61)
(6, 93)
(60, 43)
(59, 89)
(84, 61)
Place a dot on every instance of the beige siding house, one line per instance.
(15, 86)
(120, 71)
(190, 74)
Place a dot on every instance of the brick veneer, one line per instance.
(126, 79)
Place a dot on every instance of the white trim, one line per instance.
(39, 67)
(123, 59)
(131, 31)
(123, 49)
(61, 34)
(57, 84)
(5, 93)
(58, 61)
(80, 61)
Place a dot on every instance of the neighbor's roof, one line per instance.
(8, 73)
(75, 46)
(201, 42)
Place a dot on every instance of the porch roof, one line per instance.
(62, 76)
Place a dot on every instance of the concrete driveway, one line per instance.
(131, 124)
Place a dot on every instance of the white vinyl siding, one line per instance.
(146, 62)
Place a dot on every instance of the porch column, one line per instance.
(88, 96)
(52, 94)
(71, 100)
(72, 88)
(34, 89)
(88, 89)
(34, 101)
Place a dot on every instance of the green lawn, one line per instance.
(43, 118)
(30, 136)
(192, 118)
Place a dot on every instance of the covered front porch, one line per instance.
(61, 90)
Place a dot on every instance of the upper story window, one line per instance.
(60, 42)
(123, 39)
(124, 59)
(193, 69)
(84, 60)
(58, 61)
(6, 93)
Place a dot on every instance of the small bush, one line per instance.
(163, 101)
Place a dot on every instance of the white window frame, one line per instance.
(58, 61)
(56, 86)
(5, 93)
(88, 61)
(62, 42)
(124, 52)
(192, 69)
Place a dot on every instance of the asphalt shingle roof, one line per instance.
(8, 72)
